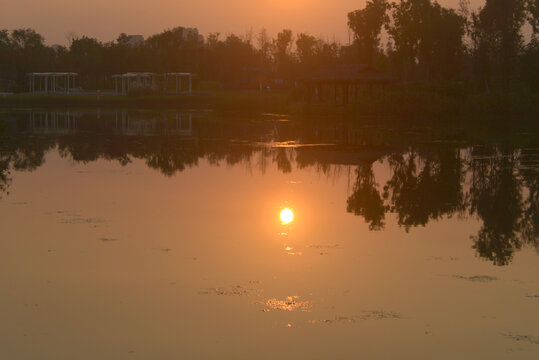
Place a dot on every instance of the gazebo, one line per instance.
(339, 84)
(51, 82)
(128, 80)
(177, 78)
(123, 83)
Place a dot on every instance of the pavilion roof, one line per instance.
(349, 72)
(148, 74)
(52, 74)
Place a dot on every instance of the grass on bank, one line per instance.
(400, 102)
(433, 101)
(250, 102)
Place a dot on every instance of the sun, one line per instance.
(287, 216)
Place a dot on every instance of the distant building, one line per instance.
(56, 47)
(188, 33)
(135, 40)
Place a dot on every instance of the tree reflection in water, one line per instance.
(365, 199)
(497, 184)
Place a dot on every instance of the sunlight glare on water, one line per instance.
(287, 216)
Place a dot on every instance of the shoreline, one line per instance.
(404, 103)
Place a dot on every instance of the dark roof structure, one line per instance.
(348, 73)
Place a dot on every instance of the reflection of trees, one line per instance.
(425, 182)
(19, 155)
(423, 188)
(281, 158)
(530, 218)
(496, 197)
(428, 184)
(365, 199)
(4, 176)
(4, 166)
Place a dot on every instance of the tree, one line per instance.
(26, 53)
(441, 47)
(497, 28)
(405, 32)
(86, 56)
(306, 48)
(282, 47)
(428, 39)
(366, 25)
(264, 45)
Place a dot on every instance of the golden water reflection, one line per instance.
(91, 239)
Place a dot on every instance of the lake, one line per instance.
(191, 235)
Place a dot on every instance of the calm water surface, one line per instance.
(139, 235)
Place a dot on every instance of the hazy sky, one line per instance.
(106, 19)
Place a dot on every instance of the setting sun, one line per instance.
(287, 216)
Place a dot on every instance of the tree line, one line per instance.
(413, 40)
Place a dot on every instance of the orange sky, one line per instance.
(106, 19)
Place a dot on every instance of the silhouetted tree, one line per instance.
(498, 35)
(282, 48)
(366, 25)
(427, 39)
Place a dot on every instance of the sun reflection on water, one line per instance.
(287, 216)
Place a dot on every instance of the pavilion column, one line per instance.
(67, 87)
(190, 84)
(177, 84)
(46, 84)
(180, 82)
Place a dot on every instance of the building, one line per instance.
(188, 33)
(135, 40)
